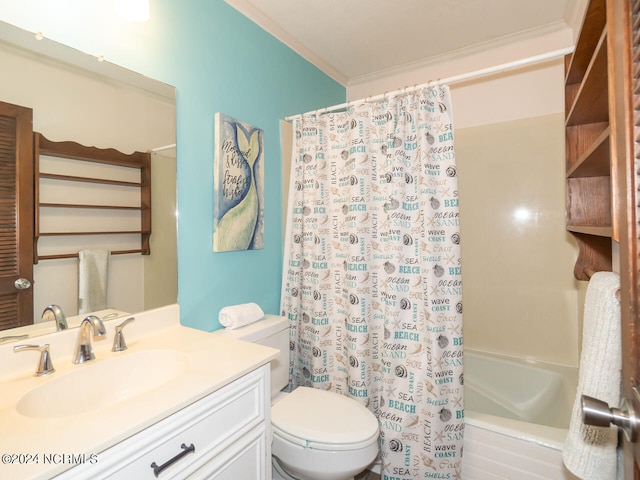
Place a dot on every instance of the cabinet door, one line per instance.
(229, 420)
(246, 460)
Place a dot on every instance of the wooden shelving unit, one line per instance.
(139, 161)
(590, 191)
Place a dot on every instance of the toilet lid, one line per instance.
(324, 420)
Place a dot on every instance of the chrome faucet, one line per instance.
(54, 312)
(90, 327)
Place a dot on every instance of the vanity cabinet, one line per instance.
(224, 436)
(591, 185)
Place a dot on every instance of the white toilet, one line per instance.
(317, 435)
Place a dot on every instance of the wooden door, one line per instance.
(16, 215)
(624, 87)
(626, 18)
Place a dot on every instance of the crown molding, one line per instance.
(573, 15)
(47, 50)
(461, 53)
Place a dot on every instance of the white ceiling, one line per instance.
(354, 39)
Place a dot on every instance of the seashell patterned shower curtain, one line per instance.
(372, 277)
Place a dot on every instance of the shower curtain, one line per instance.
(372, 277)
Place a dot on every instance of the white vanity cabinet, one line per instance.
(224, 436)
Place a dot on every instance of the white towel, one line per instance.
(590, 452)
(236, 316)
(93, 274)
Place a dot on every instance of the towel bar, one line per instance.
(75, 255)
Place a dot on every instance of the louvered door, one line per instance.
(16, 216)
(630, 313)
(624, 103)
(613, 160)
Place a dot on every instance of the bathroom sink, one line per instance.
(103, 383)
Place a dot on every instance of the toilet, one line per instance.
(317, 434)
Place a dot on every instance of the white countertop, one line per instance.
(214, 361)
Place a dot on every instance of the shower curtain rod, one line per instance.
(451, 80)
(160, 149)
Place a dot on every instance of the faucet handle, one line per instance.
(13, 338)
(119, 344)
(45, 365)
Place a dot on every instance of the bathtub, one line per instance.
(516, 418)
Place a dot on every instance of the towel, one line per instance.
(590, 452)
(236, 316)
(93, 271)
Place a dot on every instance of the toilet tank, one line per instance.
(272, 331)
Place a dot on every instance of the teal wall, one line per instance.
(219, 62)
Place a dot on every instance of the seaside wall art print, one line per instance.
(238, 211)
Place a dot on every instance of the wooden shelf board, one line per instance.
(595, 162)
(120, 232)
(77, 205)
(605, 231)
(592, 103)
(104, 181)
(593, 25)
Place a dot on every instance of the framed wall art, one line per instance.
(238, 213)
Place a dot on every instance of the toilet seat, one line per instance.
(323, 420)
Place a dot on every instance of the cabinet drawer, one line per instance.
(210, 425)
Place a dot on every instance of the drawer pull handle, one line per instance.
(157, 470)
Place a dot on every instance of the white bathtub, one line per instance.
(516, 418)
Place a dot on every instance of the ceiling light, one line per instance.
(134, 10)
